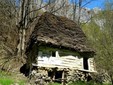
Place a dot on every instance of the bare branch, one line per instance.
(59, 8)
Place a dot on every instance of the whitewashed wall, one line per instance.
(68, 61)
(91, 64)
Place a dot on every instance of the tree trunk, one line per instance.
(21, 27)
(21, 44)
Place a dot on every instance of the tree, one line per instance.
(78, 6)
(28, 12)
(101, 38)
(7, 23)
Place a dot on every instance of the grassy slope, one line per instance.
(80, 83)
(9, 78)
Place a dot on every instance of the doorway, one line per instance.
(85, 63)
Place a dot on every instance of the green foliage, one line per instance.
(101, 38)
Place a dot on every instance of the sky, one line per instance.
(91, 5)
(96, 3)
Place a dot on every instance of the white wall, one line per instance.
(68, 61)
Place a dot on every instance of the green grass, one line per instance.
(6, 81)
(54, 84)
(21, 82)
(85, 83)
(5, 78)
(80, 83)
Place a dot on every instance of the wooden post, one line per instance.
(53, 74)
(53, 78)
(63, 78)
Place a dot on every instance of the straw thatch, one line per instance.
(59, 31)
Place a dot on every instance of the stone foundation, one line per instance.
(59, 75)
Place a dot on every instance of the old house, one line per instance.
(58, 42)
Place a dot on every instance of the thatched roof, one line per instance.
(60, 32)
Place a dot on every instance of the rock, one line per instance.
(75, 75)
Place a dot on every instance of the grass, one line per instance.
(21, 82)
(8, 79)
(54, 84)
(80, 83)
(5, 79)
(86, 83)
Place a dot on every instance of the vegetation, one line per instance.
(86, 83)
(100, 36)
(54, 84)
(5, 81)
(5, 78)
(9, 78)
(80, 83)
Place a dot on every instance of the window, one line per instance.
(56, 74)
(53, 54)
(44, 54)
(39, 53)
(85, 63)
